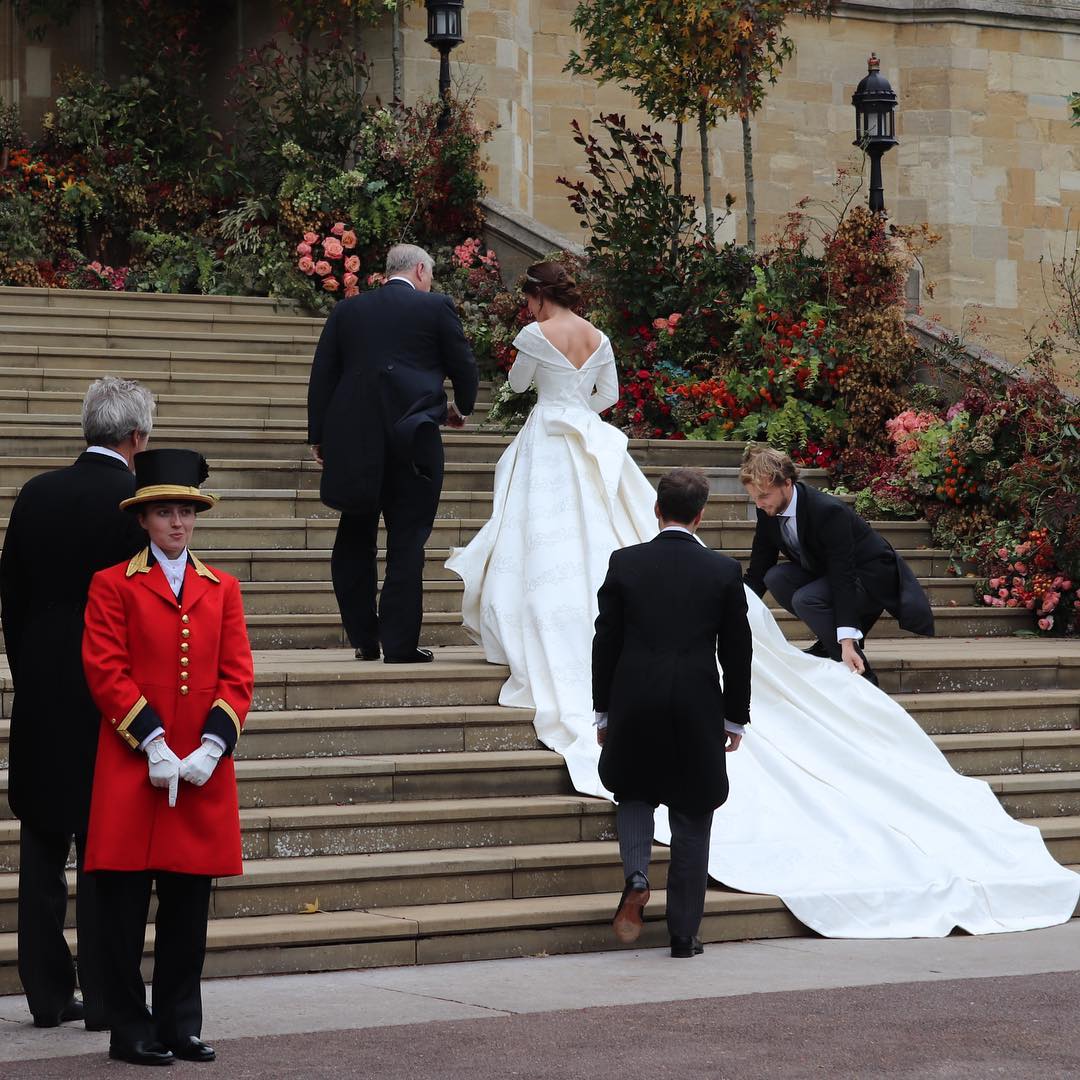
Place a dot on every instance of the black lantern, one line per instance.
(875, 125)
(444, 32)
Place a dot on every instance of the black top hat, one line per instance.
(170, 476)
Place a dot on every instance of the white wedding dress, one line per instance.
(840, 804)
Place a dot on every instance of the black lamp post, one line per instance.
(444, 32)
(875, 125)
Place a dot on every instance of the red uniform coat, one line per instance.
(186, 666)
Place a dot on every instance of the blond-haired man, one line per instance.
(839, 575)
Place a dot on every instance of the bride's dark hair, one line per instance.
(550, 281)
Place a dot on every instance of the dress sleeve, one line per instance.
(522, 372)
(607, 386)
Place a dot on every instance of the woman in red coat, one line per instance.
(168, 663)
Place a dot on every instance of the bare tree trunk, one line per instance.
(678, 186)
(99, 38)
(397, 49)
(748, 174)
(706, 170)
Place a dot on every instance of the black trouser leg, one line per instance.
(46, 967)
(88, 922)
(410, 501)
(179, 952)
(123, 897)
(634, 824)
(688, 874)
(353, 571)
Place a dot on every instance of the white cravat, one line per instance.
(174, 569)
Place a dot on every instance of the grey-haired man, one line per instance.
(66, 525)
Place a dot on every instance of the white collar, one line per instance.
(676, 528)
(790, 510)
(107, 451)
(161, 557)
(396, 277)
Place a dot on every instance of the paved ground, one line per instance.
(963, 1007)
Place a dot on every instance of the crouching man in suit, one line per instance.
(839, 575)
(668, 611)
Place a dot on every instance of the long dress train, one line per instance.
(840, 804)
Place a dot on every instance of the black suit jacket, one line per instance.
(65, 526)
(376, 387)
(839, 545)
(669, 610)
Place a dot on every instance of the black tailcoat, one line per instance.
(377, 385)
(669, 610)
(839, 545)
(65, 526)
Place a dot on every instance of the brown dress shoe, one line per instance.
(630, 915)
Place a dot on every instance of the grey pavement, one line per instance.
(424, 999)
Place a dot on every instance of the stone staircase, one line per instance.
(399, 815)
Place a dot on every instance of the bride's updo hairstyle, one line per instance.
(550, 281)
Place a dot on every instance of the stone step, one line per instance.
(132, 361)
(125, 317)
(440, 933)
(383, 879)
(60, 380)
(1004, 753)
(13, 296)
(288, 832)
(391, 778)
(973, 712)
(157, 338)
(1038, 795)
(295, 534)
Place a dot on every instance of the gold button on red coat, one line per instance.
(184, 661)
(185, 619)
(185, 633)
(183, 689)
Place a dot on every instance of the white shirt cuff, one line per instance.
(151, 737)
(734, 729)
(216, 739)
(600, 720)
(843, 632)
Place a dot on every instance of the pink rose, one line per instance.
(1003, 553)
(306, 265)
(352, 264)
(1021, 568)
(303, 248)
(659, 324)
(322, 268)
(338, 228)
(995, 583)
(330, 284)
(348, 239)
(332, 248)
(350, 280)
(988, 600)
(311, 238)
(1047, 623)
(1003, 593)
(673, 320)
(1011, 603)
(354, 291)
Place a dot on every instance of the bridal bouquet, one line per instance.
(330, 259)
(510, 409)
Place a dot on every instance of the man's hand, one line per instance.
(601, 735)
(454, 418)
(199, 765)
(164, 767)
(849, 654)
(316, 453)
(733, 742)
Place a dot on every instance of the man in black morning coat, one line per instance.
(668, 611)
(839, 575)
(375, 403)
(66, 525)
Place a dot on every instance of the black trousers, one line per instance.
(408, 502)
(179, 951)
(46, 967)
(688, 871)
(809, 597)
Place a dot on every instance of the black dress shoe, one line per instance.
(367, 654)
(193, 1049)
(630, 914)
(73, 1010)
(817, 649)
(684, 947)
(417, 656)
(141, 1053)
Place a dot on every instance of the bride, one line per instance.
(840, 804)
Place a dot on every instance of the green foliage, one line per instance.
(36, 16)
(11, 134)
(20, 228)
(168, 263)
(1074, 108)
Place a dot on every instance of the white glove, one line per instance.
(164, 767)
(199, 765)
